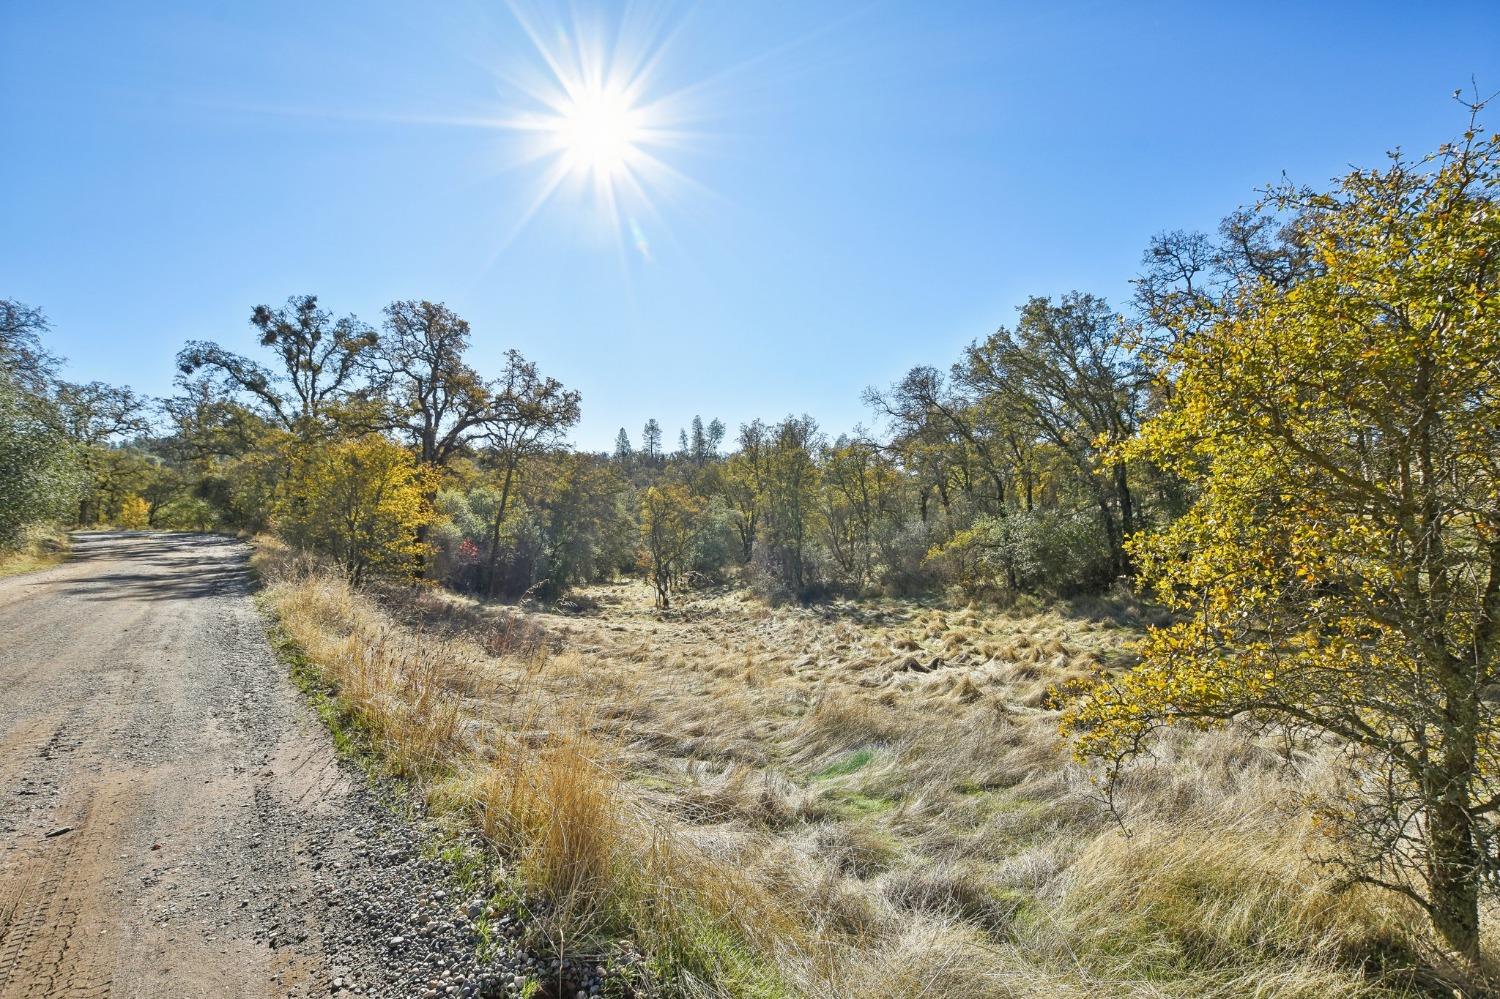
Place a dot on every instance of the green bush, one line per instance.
(39, 478)
(1055, 552)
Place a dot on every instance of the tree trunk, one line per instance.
(494, 559)
(1454, 863)
(1127, 519)
(1453, 870)
(424, 531)
(1111, 535)
(747, 537)
(999, 483)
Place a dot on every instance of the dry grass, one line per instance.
(586, 860)
(404, 689)
(856, 800)
(39, 549)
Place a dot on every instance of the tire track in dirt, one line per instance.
(41, 954)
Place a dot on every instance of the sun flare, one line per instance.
(599, 123)
(599, 132)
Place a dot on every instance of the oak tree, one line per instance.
(531, 413)
(1339, 569)
(317, 380)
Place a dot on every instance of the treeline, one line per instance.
(384, 448)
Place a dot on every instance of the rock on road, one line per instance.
(173, 818)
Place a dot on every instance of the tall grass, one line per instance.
(587, 864)
(742, 804)
(401, 690)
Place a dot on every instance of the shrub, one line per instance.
(362, 502)
(1036, 551)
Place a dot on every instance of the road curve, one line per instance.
(173, 819)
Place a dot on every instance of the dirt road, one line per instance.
(173, 819)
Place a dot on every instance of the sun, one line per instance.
(596, 123)
(599, 132)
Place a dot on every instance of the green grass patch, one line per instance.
(846, 765)
(708, 953)
(991, 799)
(654, 782)
(855, 803)
(1022, 905)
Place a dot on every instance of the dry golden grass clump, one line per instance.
(859, 799)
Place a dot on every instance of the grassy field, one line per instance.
(854, 799)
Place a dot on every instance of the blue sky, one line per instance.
(852, 189)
